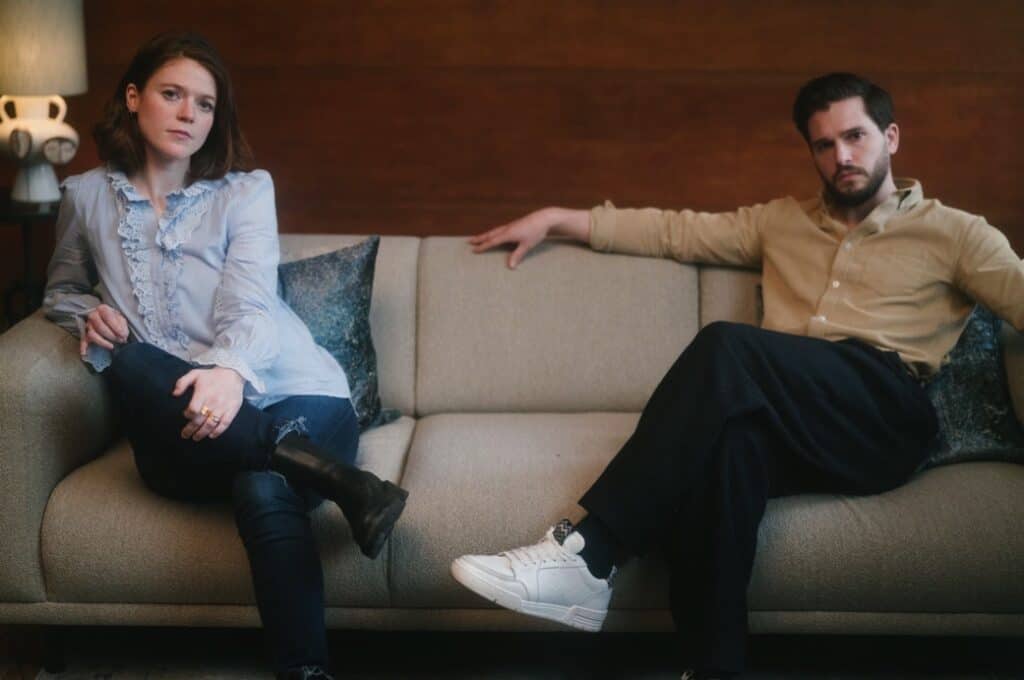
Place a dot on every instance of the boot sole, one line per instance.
(574, 616)
(379, 526)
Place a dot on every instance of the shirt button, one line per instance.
(847, 245)
(820, 318)
(835, 284)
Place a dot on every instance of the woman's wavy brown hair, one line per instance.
(117, 135)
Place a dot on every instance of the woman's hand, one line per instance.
(528, 231)
(104, 326)
(216, 398)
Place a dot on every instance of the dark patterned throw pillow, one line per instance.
(972, 399)
(331, 294)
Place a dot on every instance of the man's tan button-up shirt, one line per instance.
(905, 279)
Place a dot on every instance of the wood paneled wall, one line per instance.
(447, 117)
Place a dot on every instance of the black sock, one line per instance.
(601, 551)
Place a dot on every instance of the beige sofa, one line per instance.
(516, 389)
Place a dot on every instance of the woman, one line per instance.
(166, 268)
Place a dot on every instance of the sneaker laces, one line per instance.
(549, 549)
(561, 530)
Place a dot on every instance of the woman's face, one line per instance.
(175, 109)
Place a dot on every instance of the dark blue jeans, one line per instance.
(271, 515)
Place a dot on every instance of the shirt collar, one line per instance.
(907, 195)
(121, 184)
(910, 193)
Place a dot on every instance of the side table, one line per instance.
(28, 216)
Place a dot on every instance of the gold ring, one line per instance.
(205, 411)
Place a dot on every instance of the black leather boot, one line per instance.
(371, 505)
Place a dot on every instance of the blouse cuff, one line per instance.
(217, 356)
(97, 357)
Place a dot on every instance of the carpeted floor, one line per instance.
(180, 654)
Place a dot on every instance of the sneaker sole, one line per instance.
(574, 616)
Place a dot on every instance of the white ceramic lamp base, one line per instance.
(35, 183)
(33, 132)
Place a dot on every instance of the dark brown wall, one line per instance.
(449, 117)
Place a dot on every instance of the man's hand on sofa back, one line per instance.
(526, 232)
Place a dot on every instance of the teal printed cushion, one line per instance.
(972, 399)
(331, 294)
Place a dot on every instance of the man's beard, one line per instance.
(856, 198)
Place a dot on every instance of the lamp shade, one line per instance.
(42, 47)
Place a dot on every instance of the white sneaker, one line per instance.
(548, 580)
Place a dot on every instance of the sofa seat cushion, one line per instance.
(481, 483)
(107, 538)
(949, 541)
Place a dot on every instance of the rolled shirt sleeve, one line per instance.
(730, 238)
(246, 334)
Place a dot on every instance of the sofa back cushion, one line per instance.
(730, 294)
(569, 330)
(392, 309)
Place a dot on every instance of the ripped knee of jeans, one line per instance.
(291, 426)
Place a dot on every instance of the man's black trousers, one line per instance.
(745, 415)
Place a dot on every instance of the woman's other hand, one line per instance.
(104, 326)
(216, 398)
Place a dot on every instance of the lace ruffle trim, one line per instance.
(185, 209)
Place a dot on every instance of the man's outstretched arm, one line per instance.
(731, 238)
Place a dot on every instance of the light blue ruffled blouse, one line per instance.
(200, 281)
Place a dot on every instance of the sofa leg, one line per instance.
(53, 649)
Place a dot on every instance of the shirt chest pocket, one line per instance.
(896, 275)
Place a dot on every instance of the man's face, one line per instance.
(850, 153)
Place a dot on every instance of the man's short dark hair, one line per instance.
(820, 93)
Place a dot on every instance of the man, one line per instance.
(866, 288)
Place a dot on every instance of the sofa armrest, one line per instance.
(54, 416)
(1013, 360)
